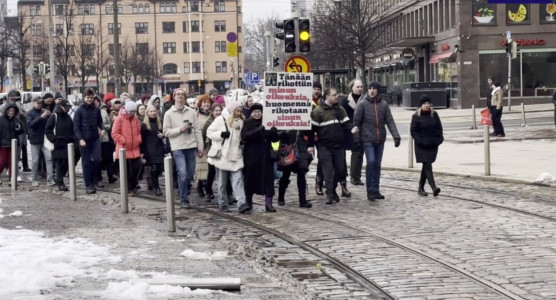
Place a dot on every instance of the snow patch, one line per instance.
(142, 290)
(216, 255)
(546, 178)
(16, 213)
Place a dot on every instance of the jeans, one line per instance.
(35, 153)
(333, 162)
(373, 154)
(236, 178)
(185, 166)
(90, 162)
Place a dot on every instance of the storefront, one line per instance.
(394, 69)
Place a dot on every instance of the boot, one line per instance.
(158, 192)
(421, 191)
(345, 192)
(318, 187)
(303, 202)
(268, 204)
(435, 191)
(200, 189)
(282, 193)
(62, 187)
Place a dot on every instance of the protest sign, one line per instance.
(287, 100)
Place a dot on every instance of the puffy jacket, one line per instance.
(36, 126)
(371, 117)
(232, 156)
(10, 128)
(330, 123)
(152, 146)
(174, 119)
(126, 132)
(86, 123)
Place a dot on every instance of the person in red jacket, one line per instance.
(126, 132)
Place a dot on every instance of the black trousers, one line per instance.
(555, 114)
(427, 174)
(301, 182)
(156, 170)
(356, 163)
(496, 115)
(333, 162)
(61, 169)
(133, 165)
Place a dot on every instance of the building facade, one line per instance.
(196, 43)
(462, 42)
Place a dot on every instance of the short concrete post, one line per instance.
(409, 149)
(523, 121)
(123, 181)
(71, 168)
(474, 126)
(169, 181)
(15, 156)
(487, 149)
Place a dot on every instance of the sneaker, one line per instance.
(244, 208)
(51, 182)
(100, 184)
(223, 208)
(19, 179)
(305, 204)
(185, 205)
(91, 190)
(35, 183)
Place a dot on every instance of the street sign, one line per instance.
(297, 64)
(231, 49)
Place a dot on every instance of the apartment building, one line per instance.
(198, 43)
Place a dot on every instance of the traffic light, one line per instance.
(275, 60)
(515, 49)
(46, 69)
(509, 46)
(304, 35)
(288, 35)
(36, 69)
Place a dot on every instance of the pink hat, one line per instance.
(220, 100)
(232, 105)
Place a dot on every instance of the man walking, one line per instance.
(88, 127)
(186, 140)
(331, 123)
(352, 141)
(317, 95)
(36, 121)
(371, 117)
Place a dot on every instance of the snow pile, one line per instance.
(546, 178)
(16, 213)
(216, 255)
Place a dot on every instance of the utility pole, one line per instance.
(509, 54)
(268, 56)
(51, 48)
(117, 84)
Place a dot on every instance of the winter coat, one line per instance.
(174, 119)
(349, 104)
(497, 98)
(126, 132)
(107, 137)
(258, 170)
(49, 107)
(36, 126)
(87, 121)
(331, 124)
(152, 146)
(10, 128)
(371, 117)
(426, 130)
(201, 165)
(232, 155)
(302, 140)
(64, 133)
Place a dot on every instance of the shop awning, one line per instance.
(435, 58)
(411, 42)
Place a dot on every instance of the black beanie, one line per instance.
(374, 84)
(317, 84)
(424, 98)
(256, 106)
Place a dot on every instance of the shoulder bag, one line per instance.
(47, 143)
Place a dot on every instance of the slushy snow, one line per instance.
(216, 255)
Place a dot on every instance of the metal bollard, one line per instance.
(123, 181)
(71, 169)
(169, 181)
(487, 149)
(523, 121)
(15, 156)
(474, 126)
(410, 149)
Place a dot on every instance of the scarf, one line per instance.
(495, 90)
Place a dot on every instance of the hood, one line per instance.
(58, 109)
(153, 97)
(11, 105)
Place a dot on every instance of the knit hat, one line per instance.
(145, 97)
(130, 106)
(14, 95)
(220, 100)
(64, 103)
(47, 95)
(256, 106)
(374, 84)
(232, 105)
(496, 83)
(213, 91)
(317, 84)
(58, 96)
(424, 98)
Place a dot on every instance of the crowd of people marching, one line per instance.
(215, 139)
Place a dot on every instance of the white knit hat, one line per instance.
(232, 105)
(130, 106)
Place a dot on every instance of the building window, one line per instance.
(36, 30)
(35, 10)
(86, 9)
(111, 28)
(147, 9)
(185, 47)
(87, 29)
(186, 67)
(220, 46)
(220, 26)
(219, 6)
(170, 68)
(221, 67)
(141, 27)
(168, 7)
(88, 50)
(239, 29)
(168, 27)
(108, 9)
(196, 67)
(134, 8)
(142, 48)
(169, 48)
(59, 30)
(185, 26)
(194, 26)
(195, 47)
(194, 6)
(58, 10)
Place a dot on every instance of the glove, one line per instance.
(225, 134)
(261, 128)
(397, 142)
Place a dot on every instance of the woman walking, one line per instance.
(215, 111)
(426, 130)
(259, 166)
(152, 146)
(496, 110)
(59, 130)
(201, 167)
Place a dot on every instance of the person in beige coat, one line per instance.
(186, 141)
(496, 110)
(201, 168)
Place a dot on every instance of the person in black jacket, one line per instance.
(88, 127)
(152, 146)
(36, 122)
(426, 130)
(59, 130)
(10, 128)
(352, 141)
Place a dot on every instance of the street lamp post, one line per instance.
(53, 68)
(117, 85)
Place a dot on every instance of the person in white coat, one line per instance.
(226, 156)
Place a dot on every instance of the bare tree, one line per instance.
(100, 60)
(254, 49)
(20, 37)
(83, 57)
(7, 49)
(64, 47)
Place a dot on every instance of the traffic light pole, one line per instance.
(51, 49)
(509, 81)
(267, 37)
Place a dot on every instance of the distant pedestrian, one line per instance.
(88, 128)
(59, 130)
(372, 116)
(36, 122)
(152, 146)
(48, 102)
(352, 141)
(331, 124)
(10, 128)
(107, 147)
(426, 130)
(496, 110)
(489, 88)
(316, 101)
